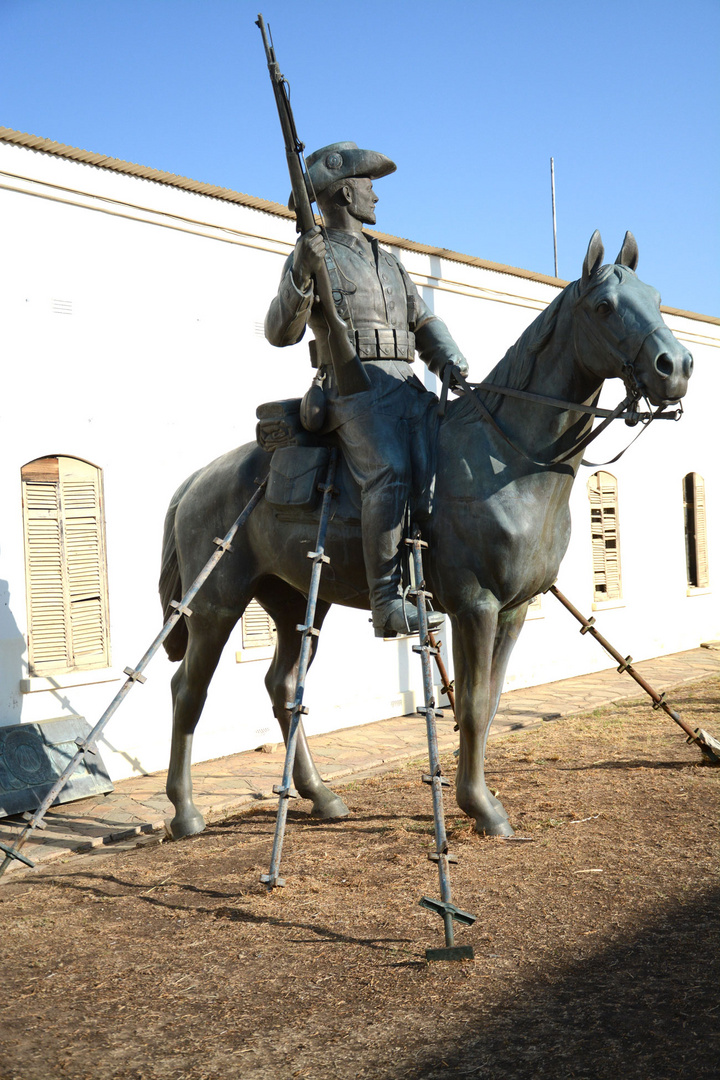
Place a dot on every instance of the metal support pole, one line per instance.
(709, 746)
(552, 186)
(285, 790)
(443, 907)
(448, 684)
(133, 675)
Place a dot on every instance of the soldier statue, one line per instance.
(382, 430)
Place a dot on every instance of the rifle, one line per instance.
(350, 376)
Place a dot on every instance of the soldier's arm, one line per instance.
(433, 341)
(289, 312)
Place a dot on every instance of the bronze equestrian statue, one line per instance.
(498, 471)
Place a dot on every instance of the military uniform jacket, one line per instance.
(386, 317)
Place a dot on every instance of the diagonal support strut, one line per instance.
(134, 675)
(285, 790)
(706, 743)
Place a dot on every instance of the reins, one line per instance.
(631, 417)
(624, 349)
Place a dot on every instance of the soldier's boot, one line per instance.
(382, 515)
(401, 617)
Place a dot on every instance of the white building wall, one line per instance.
(159, 369)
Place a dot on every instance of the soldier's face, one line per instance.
(362, 200)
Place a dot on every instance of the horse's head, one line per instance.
(620, 331)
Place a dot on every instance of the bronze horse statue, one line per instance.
(499, 527)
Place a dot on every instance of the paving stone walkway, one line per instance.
(227, 785)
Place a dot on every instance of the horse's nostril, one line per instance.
(688, 365)
(664, 365)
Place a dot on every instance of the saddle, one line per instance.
(299, 465)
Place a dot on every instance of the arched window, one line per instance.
(696, 553)
(65, 566)
(603, 494)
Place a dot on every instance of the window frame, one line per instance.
(66, 578)
(697, 568)
(605, 538)
(258, 634)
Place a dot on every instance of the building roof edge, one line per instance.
(87, 157)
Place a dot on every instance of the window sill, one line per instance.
(607, 605)
(68, 679)
(691, 590)
(260, 652)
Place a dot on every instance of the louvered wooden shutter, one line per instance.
(701, 547)
(602, 489)
(65, 566)
(258, 629)
(46, 597)
(698, 574)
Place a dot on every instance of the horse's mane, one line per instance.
(517, 364)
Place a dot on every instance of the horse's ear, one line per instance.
(629, 255)
(594, 257)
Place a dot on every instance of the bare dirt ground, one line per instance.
(596, 944)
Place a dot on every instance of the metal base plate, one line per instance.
(16, 855)
(272, 881)
(455, 952)
(709, 746)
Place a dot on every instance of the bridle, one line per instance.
(626, 410)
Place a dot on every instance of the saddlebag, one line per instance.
(295, 473)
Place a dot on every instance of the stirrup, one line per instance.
(407, 620)
(434, 618)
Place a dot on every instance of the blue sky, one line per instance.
(471, 99)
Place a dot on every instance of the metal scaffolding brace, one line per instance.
(133, 675)
(444, 906)
(285, 790)
(709, 746)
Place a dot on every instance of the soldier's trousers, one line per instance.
(386, 446)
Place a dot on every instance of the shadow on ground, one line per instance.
(648, 1007)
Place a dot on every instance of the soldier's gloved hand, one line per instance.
(460, 362)
(308, 258)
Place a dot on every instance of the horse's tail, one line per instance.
(170, 586)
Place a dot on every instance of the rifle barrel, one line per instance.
(350, 375)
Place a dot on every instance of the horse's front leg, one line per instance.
(482, 642)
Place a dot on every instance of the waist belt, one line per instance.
(370, 345)
(385, 345)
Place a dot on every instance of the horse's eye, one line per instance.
(603, 308)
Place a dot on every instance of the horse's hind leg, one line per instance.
(189, 691)
(288, 611)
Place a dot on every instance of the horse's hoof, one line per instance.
(186, 825)
(498, 806)
(498, 827)
(329, 808)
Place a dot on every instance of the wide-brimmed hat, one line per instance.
(342, 161)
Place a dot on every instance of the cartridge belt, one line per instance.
(385, 345)
(370, 345)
